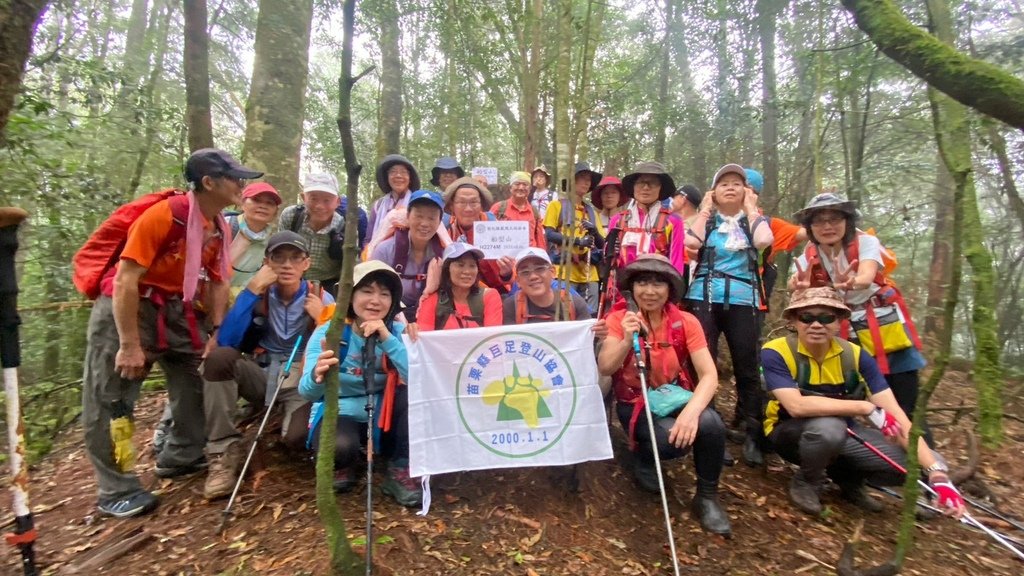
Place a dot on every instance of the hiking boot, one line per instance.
(727, 459)
(711, 515)
(179, 470)
(223, 473)
(134, 504)
(405, 490)
(646, 476)
(752, 455)
(855, 494)
(804, 495)
(344, 480)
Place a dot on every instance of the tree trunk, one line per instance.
(18, 20)
(975, 83)
(584, 86)
(767, 12)
(275, 111)
(953, 133)
(389, 136)
(151, 99)
(563, 65)
(661, 105)
(197, 76)
(997, 144)
(938, 276)
(533, 27)
(343, 559)
(695, 121)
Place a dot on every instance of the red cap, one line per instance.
(257, 188)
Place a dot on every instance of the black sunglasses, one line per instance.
(823, 319)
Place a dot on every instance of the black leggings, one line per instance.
(742, 329)
(904, 386)
(708, 447)
(351, 435)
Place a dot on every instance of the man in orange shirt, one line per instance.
(518, 208)
(171, 280)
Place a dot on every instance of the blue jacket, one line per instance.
(280, 337)
(350, 372)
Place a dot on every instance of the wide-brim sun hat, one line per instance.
(392, 160)
(469, 182)
(595, 195)
(668, 186)
(657, 264)
(366, 272)
(541, 168)
(730, 169)
(445, 163)
(595, 177)
(457, 250)
(826, 201)
(825, 296)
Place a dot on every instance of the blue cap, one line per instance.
(754, 179)
(426, 196)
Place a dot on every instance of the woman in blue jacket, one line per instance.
(376, 300)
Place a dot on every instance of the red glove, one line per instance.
(947, 495)
(885, 422)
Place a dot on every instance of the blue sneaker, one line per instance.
(135, 504)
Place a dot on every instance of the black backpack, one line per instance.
(337, 241)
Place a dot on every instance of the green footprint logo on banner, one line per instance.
(519, 398)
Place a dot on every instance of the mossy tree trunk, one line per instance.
(18, 20)
(275, 110)
(971, 82)
(343, 559)
(953, 133)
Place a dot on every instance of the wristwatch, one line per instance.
(936, 467)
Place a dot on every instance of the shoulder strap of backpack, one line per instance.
(401, 249)
(502, 208)
(476, 305)
(443, 311)
(803, 367)
(300, 212)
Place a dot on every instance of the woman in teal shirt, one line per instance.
(376, 300)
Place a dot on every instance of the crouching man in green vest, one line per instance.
(820, 384)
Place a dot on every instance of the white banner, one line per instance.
(505, 397)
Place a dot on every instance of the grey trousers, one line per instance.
(105, 393)
(821, 446)
(227, 375)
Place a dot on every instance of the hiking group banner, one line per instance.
(505, 397)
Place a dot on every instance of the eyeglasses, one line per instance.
(823, 319)
(398, 172)
(827, 221)
(281, 258)
(648, 183)
(529, 272)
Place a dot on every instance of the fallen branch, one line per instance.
(961, 474)
(846, 565)
(37, 511)
(521, 519)
(122, 545)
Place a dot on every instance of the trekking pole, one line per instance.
(24, 534)
(259, 433)
(966, 518)
(995, 513)
(1018, 543)
(369, 369)
(640, 367)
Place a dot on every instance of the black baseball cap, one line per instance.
(286, 238)
(692, 193)
(214, 162)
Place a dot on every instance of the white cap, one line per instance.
(320, 182)
(532, 252)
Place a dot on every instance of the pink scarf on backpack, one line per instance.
(195, 242)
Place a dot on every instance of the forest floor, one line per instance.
(522, 521)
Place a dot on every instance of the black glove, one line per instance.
(585, 242)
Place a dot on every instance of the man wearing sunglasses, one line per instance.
(820, 384)
(261, 329)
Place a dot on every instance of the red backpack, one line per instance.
(102, 250)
